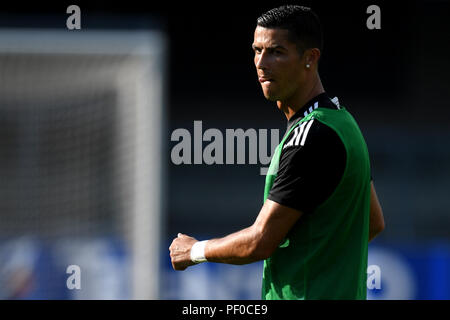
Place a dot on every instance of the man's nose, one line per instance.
(261, 61)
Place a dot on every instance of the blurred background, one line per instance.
(87, 122)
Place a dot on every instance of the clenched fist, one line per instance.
(180, 251)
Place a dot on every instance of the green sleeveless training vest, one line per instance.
(324, 255)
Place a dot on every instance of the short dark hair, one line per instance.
(301, 22)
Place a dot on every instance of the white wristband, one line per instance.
(198, 252)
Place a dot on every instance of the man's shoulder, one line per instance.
(310, 133)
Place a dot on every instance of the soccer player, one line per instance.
(320, 207)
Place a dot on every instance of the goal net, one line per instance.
(81, 163)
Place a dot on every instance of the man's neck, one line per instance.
(291, 106)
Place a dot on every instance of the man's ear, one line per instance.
(311, 56)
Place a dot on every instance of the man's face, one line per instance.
(278, 64)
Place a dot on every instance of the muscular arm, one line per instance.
(256, 242)
(376, 224)
(251, 244)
